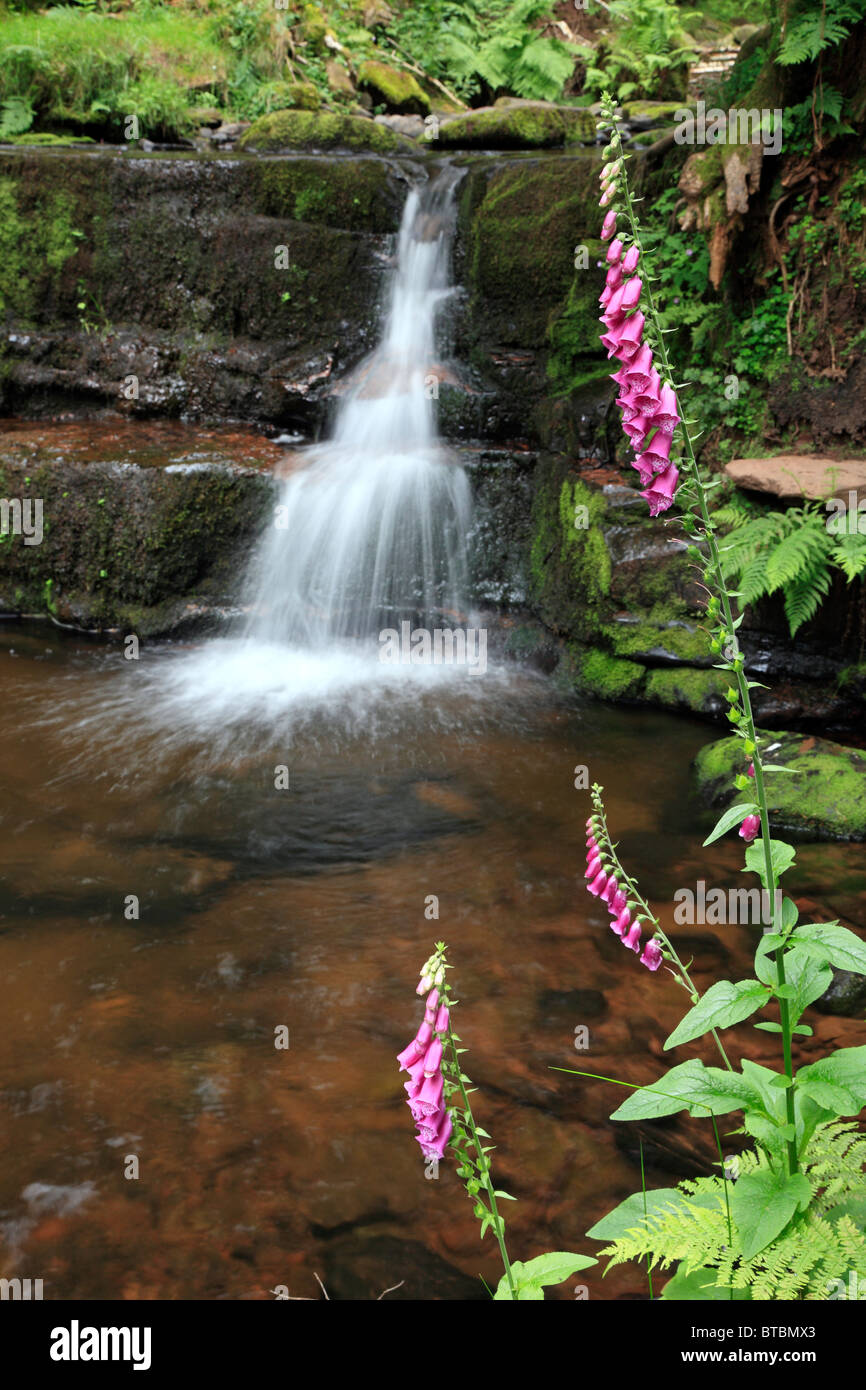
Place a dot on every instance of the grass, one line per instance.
(85, 69)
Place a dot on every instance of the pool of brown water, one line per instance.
(304, 907)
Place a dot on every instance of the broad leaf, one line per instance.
(531, 1277)
(724, 1004)
(631, 1212)
(763, 1203)
(733, 816)
(845, 1067)
(810, 978)
(834, 944)
(700, 1286)
(781, 853)
(690, 1086)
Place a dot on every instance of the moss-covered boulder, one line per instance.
(529, 126)
(397, 90)
(823, 795)
(321, 130)
(687, 688)
(296, 96)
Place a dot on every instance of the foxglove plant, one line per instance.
(438, 1092)
(787, 1227)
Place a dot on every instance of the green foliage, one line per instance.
(812, 28)
(488, 43)
(648, 53)
(792, 551)
(816, 1243)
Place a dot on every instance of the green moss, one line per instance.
(35, 243)
(637, 639)
(569, 562)
(396, 89)
(357, 194)
(653, 110)
(824, 795)
(323, 130)
(702, 692)
(517, 128)
(521, 222)
(573, 335)
(607, 677)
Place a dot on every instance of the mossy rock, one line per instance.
(653, 113)
(321, 130)
(701, 692)
(824, 795)
(529, 127)
(671, 642)
(294, 96)
(605, 677)
(569, 561)
(398, 90)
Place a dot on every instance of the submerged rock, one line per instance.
(824, 795)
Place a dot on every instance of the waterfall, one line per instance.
(370, 530)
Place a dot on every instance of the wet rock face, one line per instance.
(228, 265)
(150, 547)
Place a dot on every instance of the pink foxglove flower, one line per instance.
(632, 937)
(608, 890)
(632, 334)
(622, 923)
(657, 453)
(618, 902)
(660, 494)
(750, 828)
(649, 398)
(593, 867)
(630, 260)
(597, 884)
(667, 415)
(639, 370)
(631, 293)
(614, 251)
(652, 955)
(608, 226)
(645, 472)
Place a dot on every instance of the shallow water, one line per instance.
(305, 908)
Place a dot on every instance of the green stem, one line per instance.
(736, 663)
(482, 1163)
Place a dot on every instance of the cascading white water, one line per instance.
(370, 532)
(372, 529)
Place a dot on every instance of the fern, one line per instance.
(824, 1244)
(849, 553)
(790, 551)
(823, 26)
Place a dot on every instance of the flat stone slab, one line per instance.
(800, 475)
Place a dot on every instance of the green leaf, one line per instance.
(724, 1004)
(763, 1203)
(531, 1278)
(845, 1067)
(836, 945)
(700, 1286)
(732, 817)
(690, 1086)
(810, 978)
(632, 1211)
(781, 854)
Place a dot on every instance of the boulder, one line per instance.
(801, 475)
(528, 125)
(320, 130)
(823, 796)
(397, 90)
